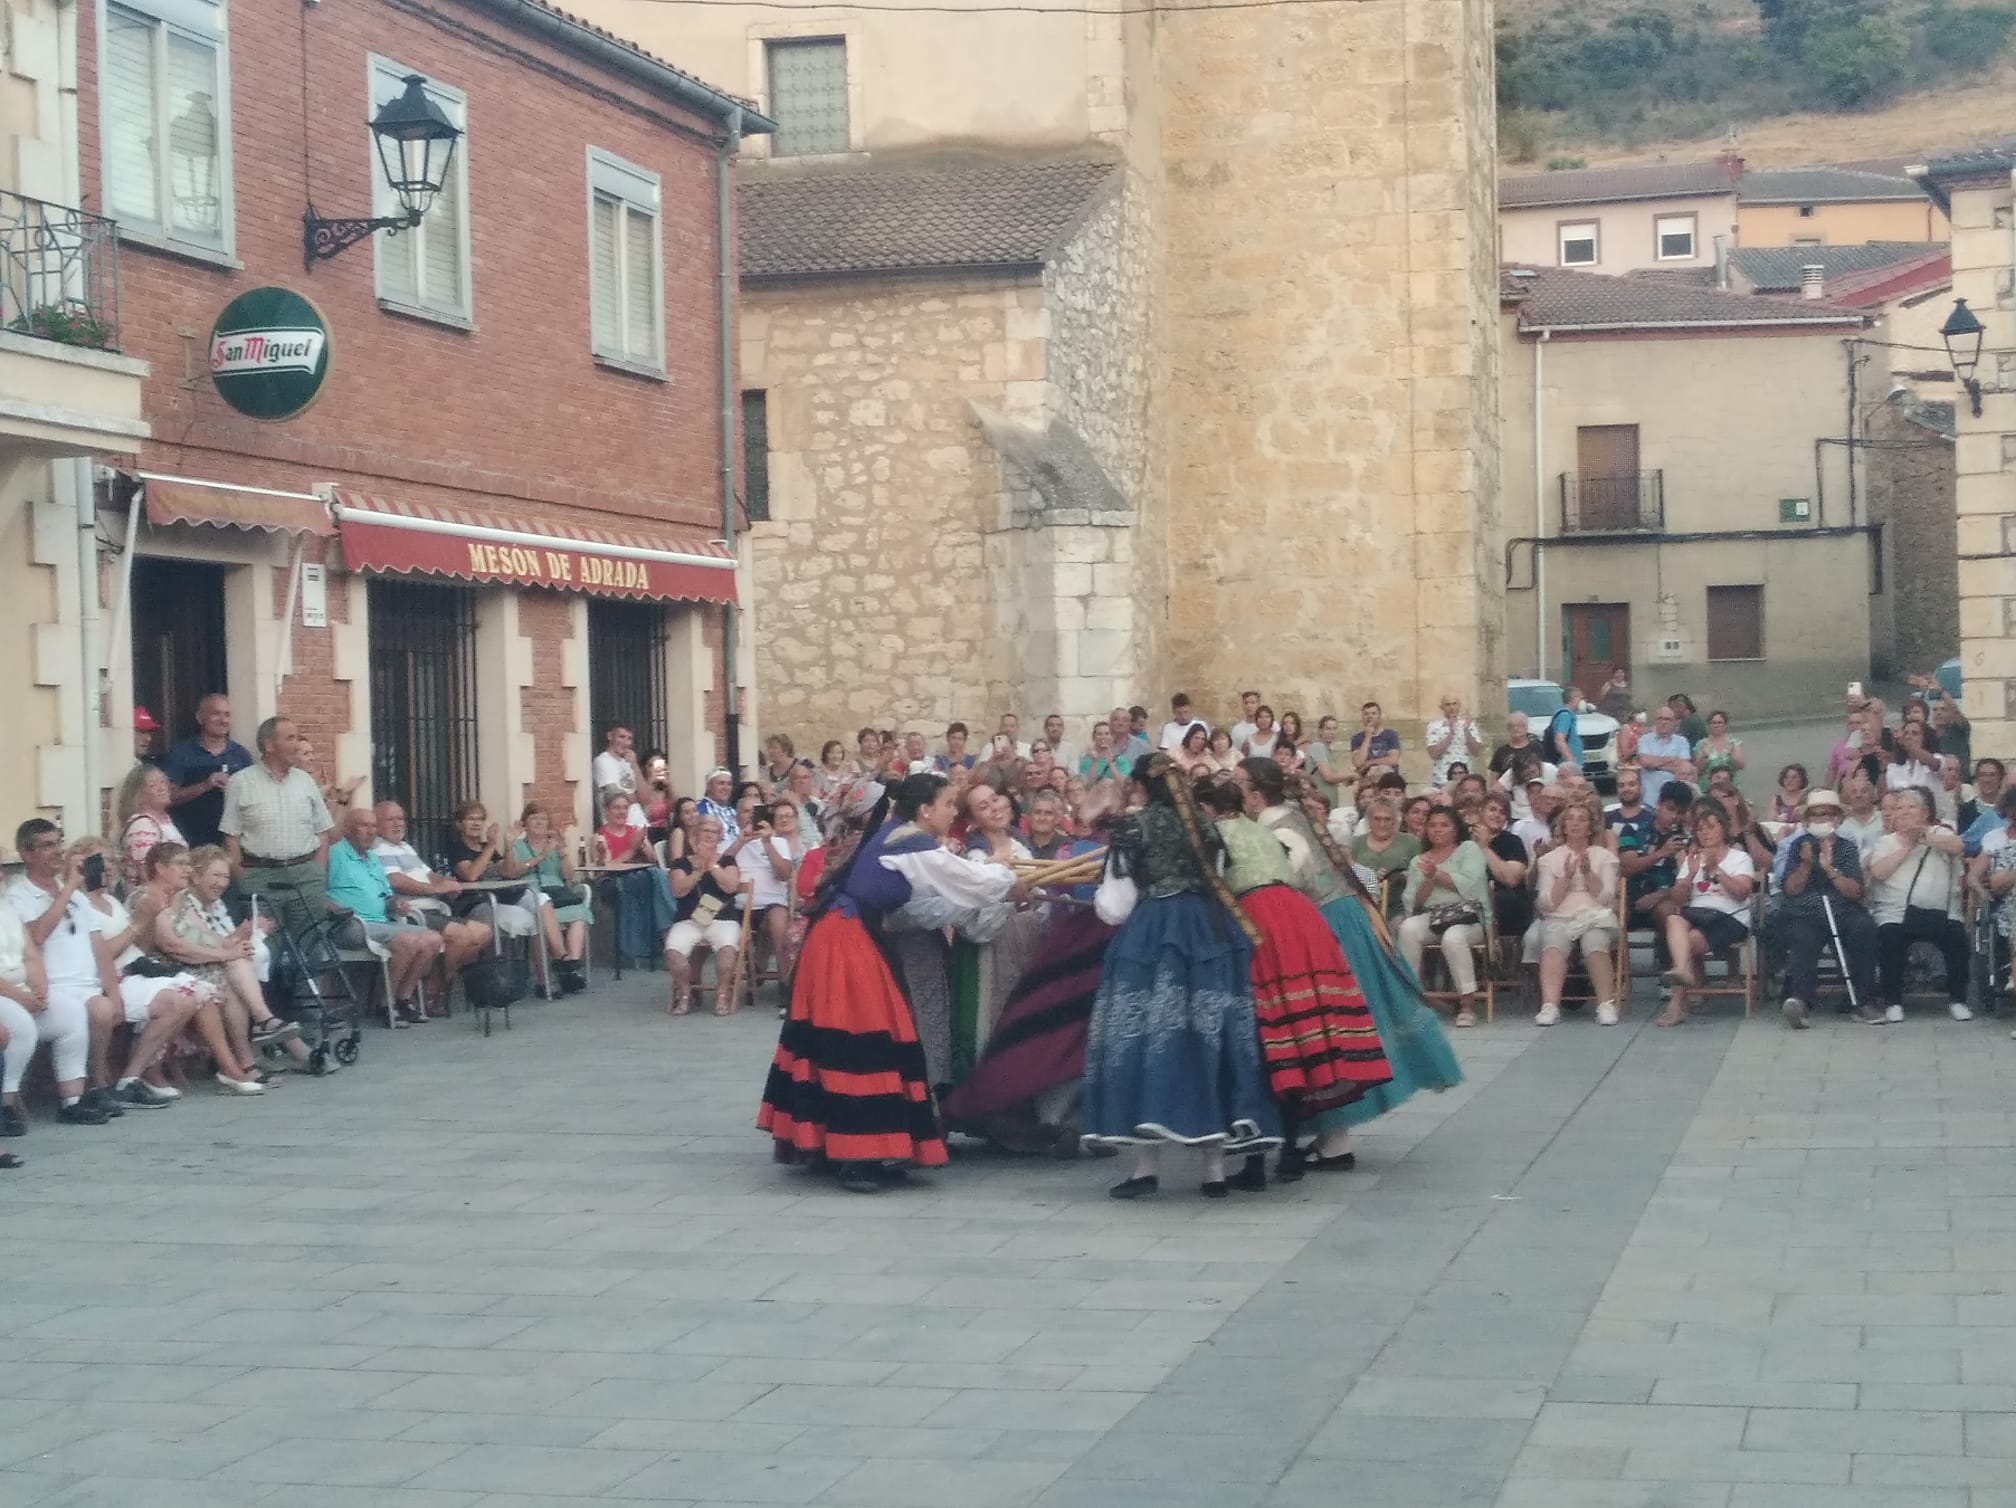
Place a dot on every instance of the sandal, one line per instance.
(724, 1008)
(680, 1005)
(1466, 1017)
(1671, 1016)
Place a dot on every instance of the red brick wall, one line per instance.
(547, 706)
(513, 416)
(312, 696)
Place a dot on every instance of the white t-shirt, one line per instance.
(1066, 753)
(1706, 892)
(403, 858)
(1936, 886)
(1522, 808)
(13, 947)
(67, 954)
(1531, 831)
(769, 890)
(1242, 730)
(110, 923)
(1901, 777)
(1172, 733)
(613, 772)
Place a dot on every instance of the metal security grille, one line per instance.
(808, 96)
(423, 706)
(626, 671)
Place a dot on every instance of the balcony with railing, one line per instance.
(64, 388)
(1631, 503)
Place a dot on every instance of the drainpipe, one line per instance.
(1539, 511)
(77, 470)
(724, 183)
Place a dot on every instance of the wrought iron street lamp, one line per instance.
(1962, 333)
(192, 158)
(416, 150)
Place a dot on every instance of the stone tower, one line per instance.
(1324, 179)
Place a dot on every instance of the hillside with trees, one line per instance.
(1590, 74)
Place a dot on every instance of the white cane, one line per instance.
(1840, 953)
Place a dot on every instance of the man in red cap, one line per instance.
(144, 729)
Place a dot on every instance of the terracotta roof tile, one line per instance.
(1553, 298)
(1780, 269)
(852, 221)
(1824, 185)
(1652, 180)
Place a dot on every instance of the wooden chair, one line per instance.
(758, 975)
(1578, 988)
(1740, 965)
(1484, 959)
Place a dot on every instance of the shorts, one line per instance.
(137, 993)
(1722, 930)
(1561, 934)
(720, 934)
(357, 931)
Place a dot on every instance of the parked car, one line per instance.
(1540, 700)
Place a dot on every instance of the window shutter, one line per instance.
(195, 159)
(640, 290)
(605, 277)
(441, 248)
(132, 191)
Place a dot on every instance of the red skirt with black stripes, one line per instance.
(848, 1082)
(1317, 1036)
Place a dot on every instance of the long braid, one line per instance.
(1300, 790)
(1177, 785)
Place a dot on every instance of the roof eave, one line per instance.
(1857, 321)
(624, 58)
(1693, 193)
(936, 269)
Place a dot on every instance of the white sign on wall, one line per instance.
(314, 596)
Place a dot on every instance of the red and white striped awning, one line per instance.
(638, 560)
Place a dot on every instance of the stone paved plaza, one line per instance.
(1722, 1267)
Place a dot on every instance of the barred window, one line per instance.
(756, 455)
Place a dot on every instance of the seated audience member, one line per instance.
(1507, 860)
(1518, 740)
(1221, 756)
(1576, 897)
(1788, 801)
(1127, 747)
(1193, 751)
(72, 1006)
(230, 958)
(955, 755)
(1045, 827)
(1260, 742)
(358, 884)
(1861, 809)
(1471, 788)
(1747, 832)
(916, 753)
(1525, 770)
(1327, 765)
(539, 855)
(460, 917)
(476, 855)
(1913, 882)
(1977, 817)
(1288, 756)
(707, 912)
(1445, 896)
(1536, 828)
(779, 754)
(1010, 727)
(719, 800)
(1102, 761)
(1823, 890)
(1414, 815)
(142, 812)
(24, 989)
(1711, 896)
(771, 867)
(1379, 845)
(1651, 868)
(155, 983)
(685, 815)
(630, 895)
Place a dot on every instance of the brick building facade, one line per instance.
(537, 368)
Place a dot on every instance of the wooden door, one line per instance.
(1606, 466)
(178, 640)
(1598, 636)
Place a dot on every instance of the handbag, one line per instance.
(561, 895)
(1460, 914)
(495, 981)
(1922, 918)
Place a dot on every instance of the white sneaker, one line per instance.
(1606, 1013)
(1893, 1014)
(228, 1085)
(1959, 1012)
(1794, 1012)
(1547, 1016)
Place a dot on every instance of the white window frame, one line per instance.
(640, 192)
(1659, 224)
(455, 105)
(208, 22)
(1594, 238)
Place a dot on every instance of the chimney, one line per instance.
(1732, 160)
(1722, 263)
(1812, 281)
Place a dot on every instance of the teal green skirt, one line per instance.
(1409, 1031)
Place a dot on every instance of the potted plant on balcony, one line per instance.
(72, 323)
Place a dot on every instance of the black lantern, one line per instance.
(416, 151)
(1962, 333)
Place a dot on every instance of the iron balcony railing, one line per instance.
(1633, 502)
(59, 273)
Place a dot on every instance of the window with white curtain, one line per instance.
(426, 269)
(808, 95)
(625, 271)
(165, 129)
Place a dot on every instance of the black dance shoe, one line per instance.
(1136, 1188)
(1251, 1179)
(1221, 1189)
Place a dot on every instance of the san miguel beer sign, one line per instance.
(269, 353)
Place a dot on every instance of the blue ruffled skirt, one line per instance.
(1173, 1052)
(1409, 1031)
